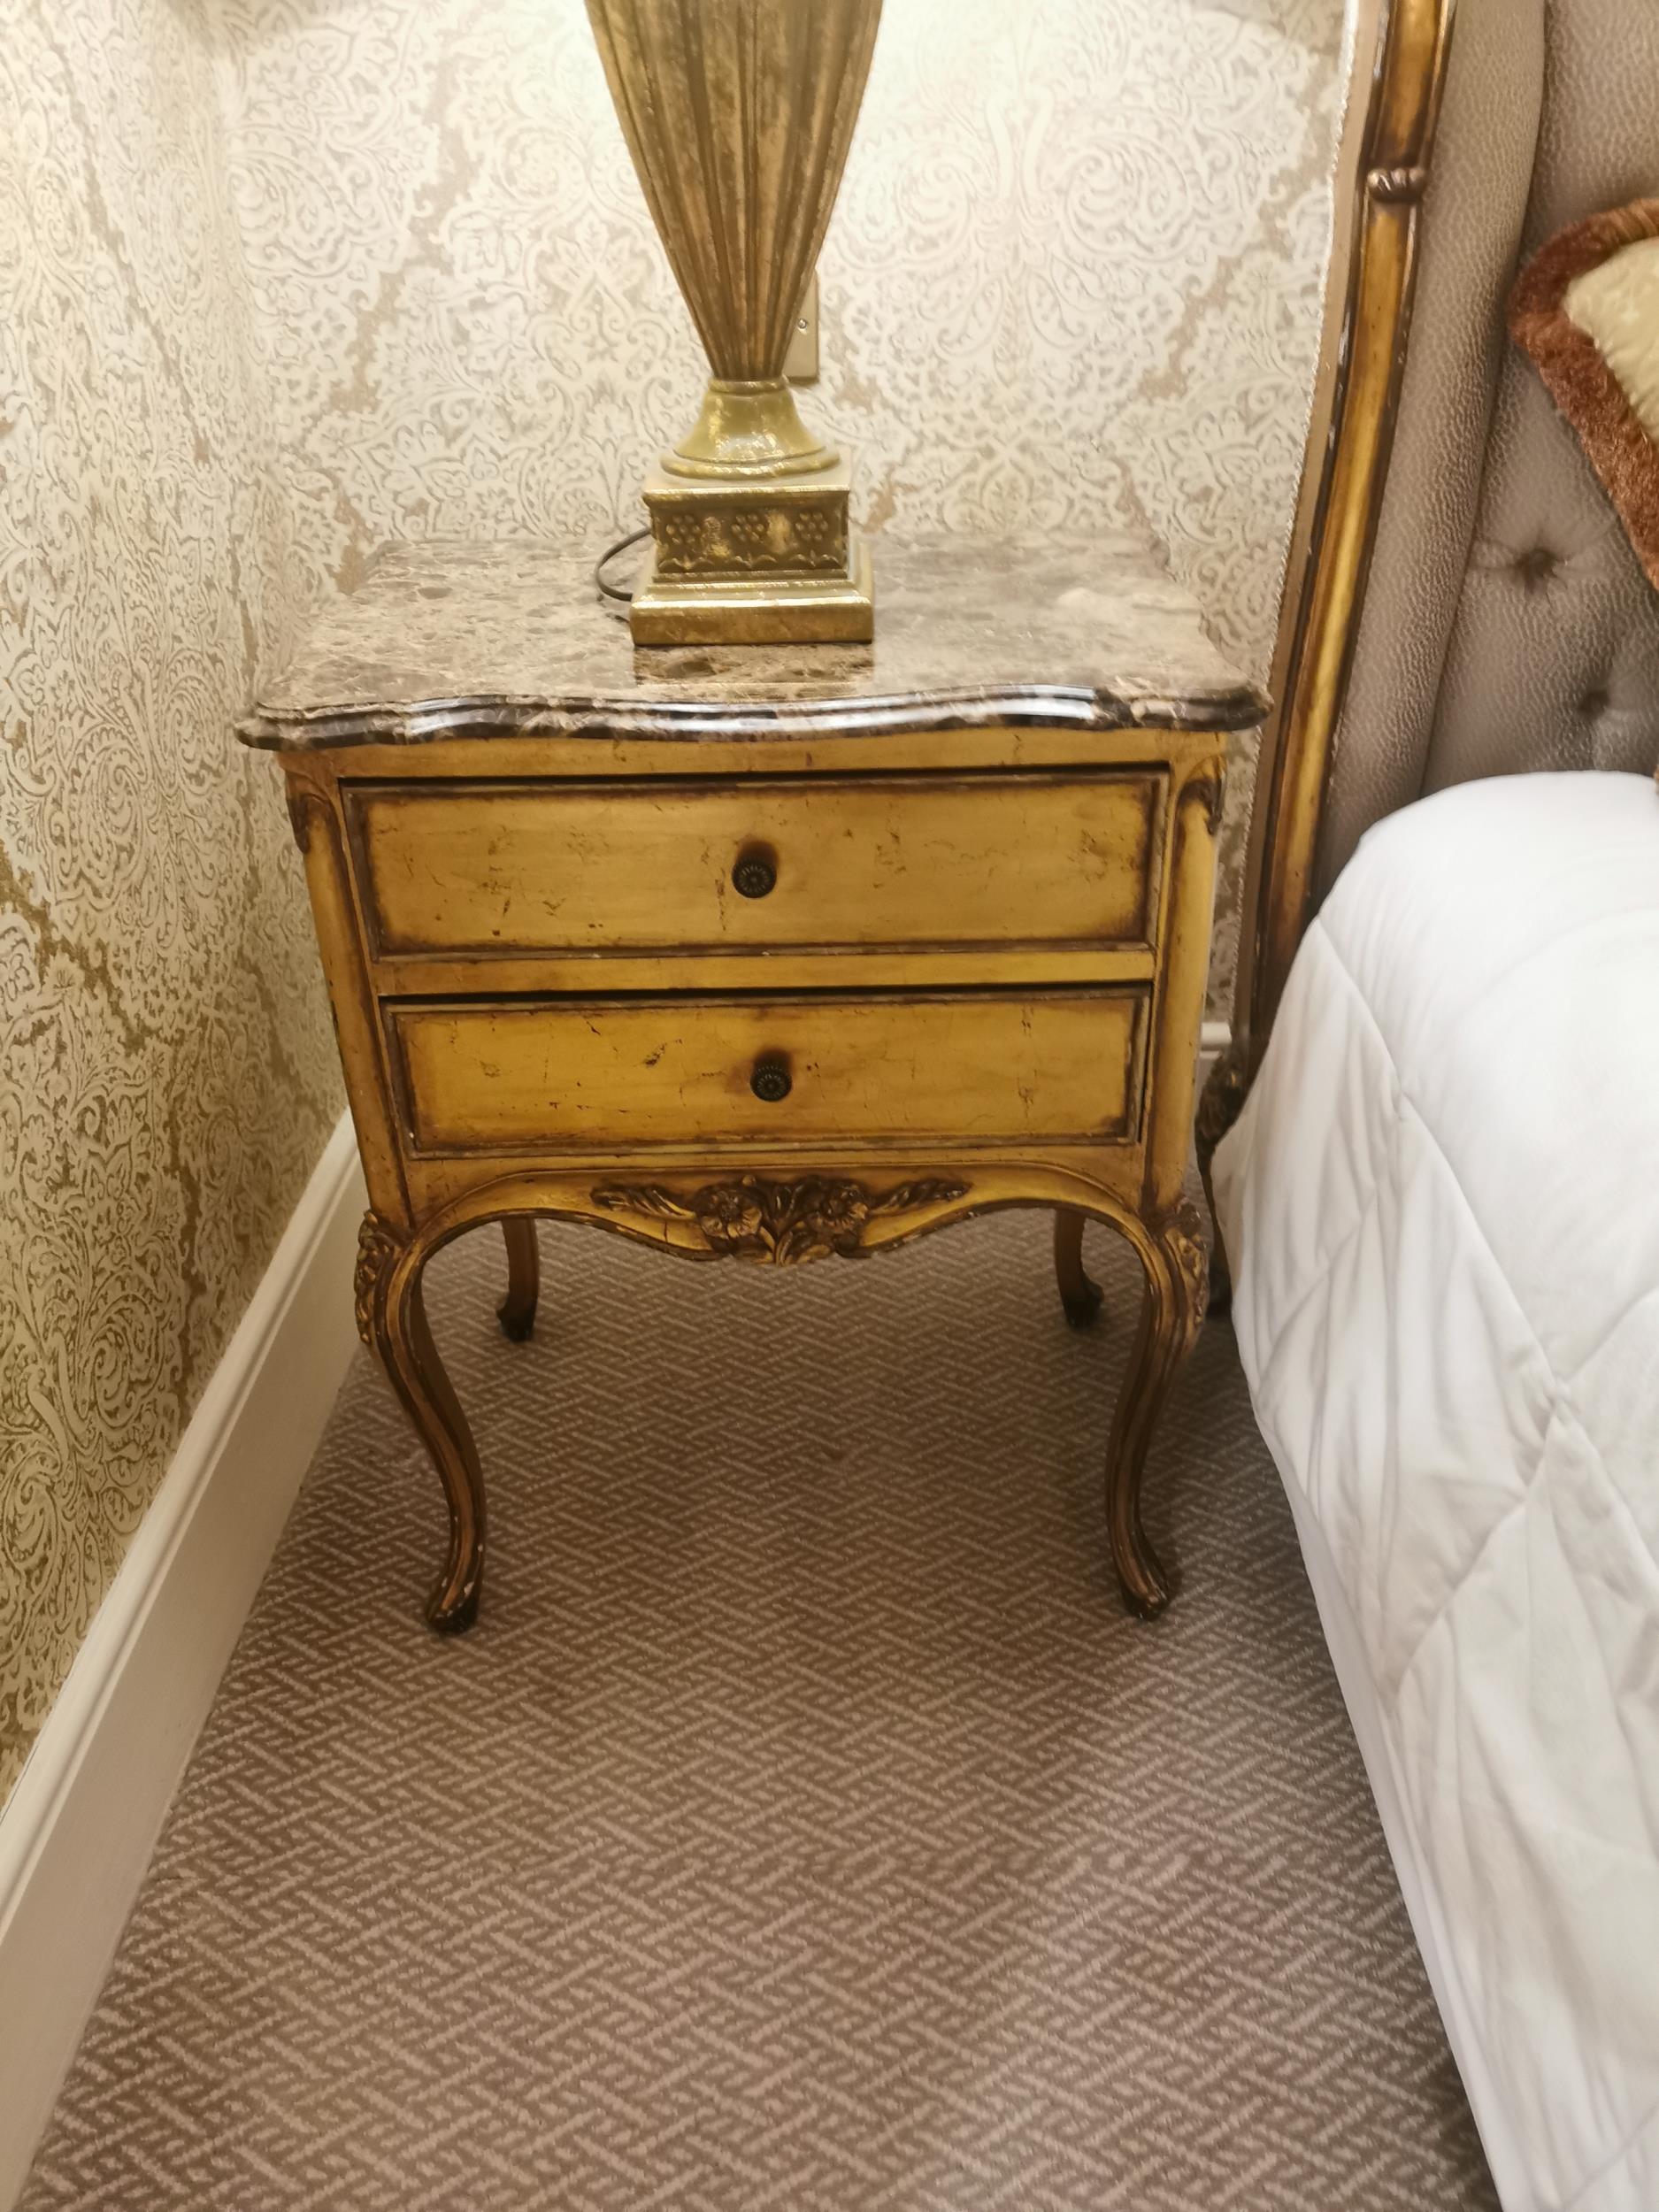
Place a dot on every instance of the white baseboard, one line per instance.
(77, 1832)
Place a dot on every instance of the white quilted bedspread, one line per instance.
(1442, 1208)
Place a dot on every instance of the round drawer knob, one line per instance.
(756, 875)
(770, 1081)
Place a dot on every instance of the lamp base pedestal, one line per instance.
(757, 610)
(765, 561)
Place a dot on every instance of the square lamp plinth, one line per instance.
(771, 562)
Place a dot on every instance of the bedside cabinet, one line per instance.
(766, 955)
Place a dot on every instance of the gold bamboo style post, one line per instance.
(738, 115)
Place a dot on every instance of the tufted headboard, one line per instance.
(1465, 602)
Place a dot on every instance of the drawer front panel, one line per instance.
(597, 1075)
(826, 862)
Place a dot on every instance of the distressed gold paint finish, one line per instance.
(826, 1102)
(591, 1074)
(517, 1311)
(872, 861)
(781, 1224)
(1384, 168)
(740, 119)
(377, 1247)
(1081, 1294)
(1372, 289)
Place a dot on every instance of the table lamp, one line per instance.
(738, 115)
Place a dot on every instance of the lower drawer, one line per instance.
(606, 1074)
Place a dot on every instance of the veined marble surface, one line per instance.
(449, 637)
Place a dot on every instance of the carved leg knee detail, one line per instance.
(1176, 1263)
(1079, 1295)
(392, 1318)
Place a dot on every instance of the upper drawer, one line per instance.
(745, 864)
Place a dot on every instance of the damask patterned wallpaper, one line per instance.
(282, 278)
(166, 1068)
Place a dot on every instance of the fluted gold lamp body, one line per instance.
(740, 115)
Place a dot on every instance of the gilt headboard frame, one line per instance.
(1382, 172)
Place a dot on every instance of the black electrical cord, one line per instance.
(614, 591)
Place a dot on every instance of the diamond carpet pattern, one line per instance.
(804, 1826)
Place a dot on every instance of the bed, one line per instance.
(1440, 1197)
(1443, 1201)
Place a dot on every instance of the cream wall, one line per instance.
(167, 1070)
(280, 279)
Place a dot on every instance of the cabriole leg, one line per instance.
(1081, 1296)
(517, 1311)
(1177, 1266)
(392, 1318)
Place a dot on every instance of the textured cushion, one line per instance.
(1508, 625)
(1586, 311)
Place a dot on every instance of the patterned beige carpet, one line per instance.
(804, 1826)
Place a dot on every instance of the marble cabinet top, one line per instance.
(450, 638)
